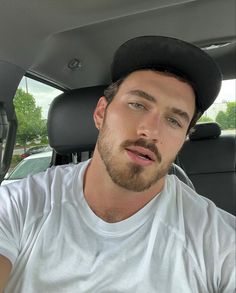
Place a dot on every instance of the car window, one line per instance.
(30, 166)
(32, 131)
(224, 108)
(42, 93)
(32, 101)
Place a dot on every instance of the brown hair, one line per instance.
(111, 91)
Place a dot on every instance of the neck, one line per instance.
(109, 201)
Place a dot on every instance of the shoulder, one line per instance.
(206, 232)
(197, 209)
(35, 194)
(34, 183)
(25, 205)
(200, 220)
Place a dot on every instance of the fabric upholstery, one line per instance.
(70, 120)
(210, 163)
(205, 130)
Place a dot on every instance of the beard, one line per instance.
(128, 175)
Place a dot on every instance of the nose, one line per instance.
(149, 128)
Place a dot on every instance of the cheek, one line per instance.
(113, 131)
(171, 143)
(119, 122)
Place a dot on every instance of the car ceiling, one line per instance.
(70, 44)
(47, 39)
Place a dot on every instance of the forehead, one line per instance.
(156, 81)
(164, 92)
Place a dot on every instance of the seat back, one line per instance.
(70, 121)
(209, 159)
(71, 129)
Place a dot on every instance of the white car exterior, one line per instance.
(30, 165)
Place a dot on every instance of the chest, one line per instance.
(65, 255)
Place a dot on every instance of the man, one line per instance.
(119, 223)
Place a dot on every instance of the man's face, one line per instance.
(143, 128)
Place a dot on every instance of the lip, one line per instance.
(137, 155)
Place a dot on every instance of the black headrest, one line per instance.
(205, 130)
(70, 120)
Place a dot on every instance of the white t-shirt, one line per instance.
(179, 242)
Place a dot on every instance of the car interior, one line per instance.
(212, 167)
(69, 45)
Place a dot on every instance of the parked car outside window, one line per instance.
(30, 165)
(36, 150)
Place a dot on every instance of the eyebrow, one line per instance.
(181, 113)
(150, 98)
(143, 94)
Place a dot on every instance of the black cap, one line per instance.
(172, 55)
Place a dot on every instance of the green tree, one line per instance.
(222, 119)
(227, 119)
(205, 119)
(231, 115)
(30, 123)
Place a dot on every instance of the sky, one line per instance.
(44, 94)
(228, 92)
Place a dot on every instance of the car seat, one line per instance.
(209, 159)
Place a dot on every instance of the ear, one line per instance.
(99, 112)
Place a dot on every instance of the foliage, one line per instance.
(15, 160)
(205, 119)
(30, 123)
(221, 118)
(227, 119)
(231, 114)
(44, 138)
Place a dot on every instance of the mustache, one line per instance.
(143, 143)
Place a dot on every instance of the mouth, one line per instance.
(140, 155)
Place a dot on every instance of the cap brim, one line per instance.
(170, 54)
